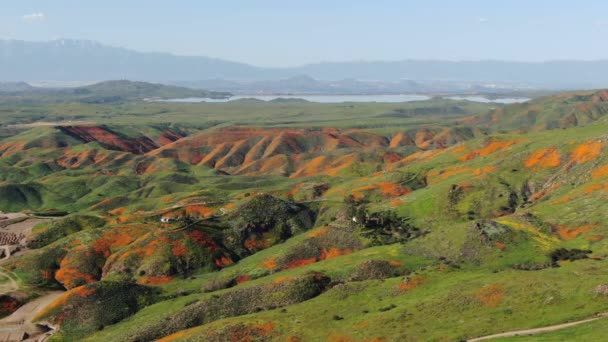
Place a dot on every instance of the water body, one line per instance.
(348, 98)
(486, 100)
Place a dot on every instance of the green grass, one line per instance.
(485, 216)
(531, 299)
(191, 116)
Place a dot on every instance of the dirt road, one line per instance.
(19, 323)
(539, 330)
(27, 312)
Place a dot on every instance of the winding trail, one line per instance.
(540, 330)
(12, 283)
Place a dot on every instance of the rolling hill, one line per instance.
(111, 92)
(449, 221)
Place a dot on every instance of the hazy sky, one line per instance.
(288, 33)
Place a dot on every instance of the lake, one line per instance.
(348, 98)
(486, 100)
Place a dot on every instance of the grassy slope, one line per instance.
(450, 298)
(466, 283)
(529, 299)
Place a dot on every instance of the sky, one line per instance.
(281, 33)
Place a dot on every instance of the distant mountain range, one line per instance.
(306, 85)
(79, 60)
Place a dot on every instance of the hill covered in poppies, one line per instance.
(249, 221)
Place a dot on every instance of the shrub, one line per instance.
(374, 269)
(386, 227)
(387, 308)
(529, 266)
(265, 220)
(568, 254)
(9, 303)
(217, 284)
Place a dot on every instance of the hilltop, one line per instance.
(129, 90)
(12, 87)
(107, 92)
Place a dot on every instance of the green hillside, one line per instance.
(293, 221)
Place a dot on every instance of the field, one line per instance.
(292, 221)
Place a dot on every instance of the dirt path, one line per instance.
(27, 312)
(22, 224)
(25, 227)
(10, 216)
(539, 330)
(11, 284)
(19, 324)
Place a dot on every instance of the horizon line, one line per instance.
(387, 61)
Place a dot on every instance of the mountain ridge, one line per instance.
(76, 60)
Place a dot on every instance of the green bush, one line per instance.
(568, 254)
(266, 217)
(375, 269)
